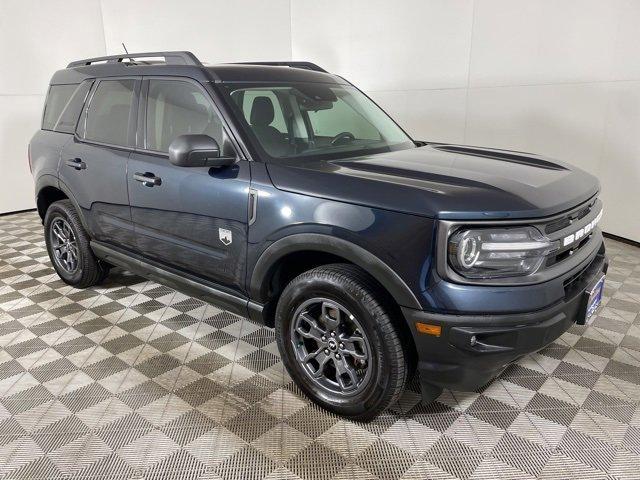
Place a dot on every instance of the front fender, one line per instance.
(268, 260)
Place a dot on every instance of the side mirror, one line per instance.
(197, 151)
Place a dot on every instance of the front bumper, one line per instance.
(453, 360)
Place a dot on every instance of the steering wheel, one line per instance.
(342, 138)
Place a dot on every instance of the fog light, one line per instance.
(473, 340)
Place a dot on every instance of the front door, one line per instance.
(193, 219)
(93, 165)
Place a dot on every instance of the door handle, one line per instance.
(148, 179)
(76, 163)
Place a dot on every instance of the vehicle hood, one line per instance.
(443, 181)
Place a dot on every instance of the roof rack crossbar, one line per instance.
(305, 65)
(170, 58)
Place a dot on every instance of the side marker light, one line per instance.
(428, 329)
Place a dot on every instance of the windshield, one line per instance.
(304, 120)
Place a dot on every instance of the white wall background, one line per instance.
(36, 39)
(557, 78)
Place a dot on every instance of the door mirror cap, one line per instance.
(197, 151)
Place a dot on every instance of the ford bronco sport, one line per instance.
(282, 193)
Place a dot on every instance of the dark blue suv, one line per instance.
(281, 192)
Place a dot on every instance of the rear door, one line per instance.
(93, 165)
(193, 219)
(61, 112)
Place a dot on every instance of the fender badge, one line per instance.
(225, 236)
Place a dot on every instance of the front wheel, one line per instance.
(338, 341)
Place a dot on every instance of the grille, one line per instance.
(568, 219)
(567, 224)
(565, 253)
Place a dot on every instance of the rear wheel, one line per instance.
(68, 246)
(338, 342)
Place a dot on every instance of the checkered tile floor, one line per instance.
(134, 380)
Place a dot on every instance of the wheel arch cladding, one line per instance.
(270, 260)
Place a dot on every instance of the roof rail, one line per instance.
(305, 65)
(170, 58)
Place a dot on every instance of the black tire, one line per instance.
(89, 270)
(354, 289)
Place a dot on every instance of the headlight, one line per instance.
(498, 252)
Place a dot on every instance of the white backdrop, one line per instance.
(557, 78)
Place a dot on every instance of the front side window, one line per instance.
(314, 120)
(110, 112)
(176, 108)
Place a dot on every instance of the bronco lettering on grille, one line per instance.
(583, 232)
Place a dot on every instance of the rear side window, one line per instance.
(68, 119)
(109, 112)
(57, 99)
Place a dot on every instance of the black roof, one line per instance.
(234, 72)
(186, 64)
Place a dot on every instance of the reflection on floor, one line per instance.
(134, 380)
